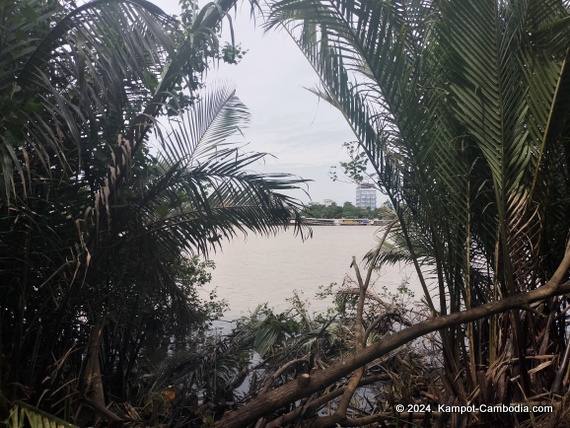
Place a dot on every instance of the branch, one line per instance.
(359, 333)
(295, 414)
(280, 371)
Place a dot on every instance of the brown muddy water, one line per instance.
(259, 269)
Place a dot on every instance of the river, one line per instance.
(260, 269)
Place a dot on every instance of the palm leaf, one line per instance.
(205, 126)
(220, 195)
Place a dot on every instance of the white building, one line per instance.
(366, 196)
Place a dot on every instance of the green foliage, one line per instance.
(271, 329)
(117, 177)
(348, 210)
(22, 414)
(460, 107)
(232, 54)
(194, 274)
(356, 168)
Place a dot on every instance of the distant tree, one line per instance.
(350, 211)
(314, 211)
(332, 211)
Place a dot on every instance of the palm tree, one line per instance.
(96, 227)
(461, 108)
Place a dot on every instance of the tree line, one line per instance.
(347, 210)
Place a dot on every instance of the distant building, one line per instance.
(366, 196)
(328, 202)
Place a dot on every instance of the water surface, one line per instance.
(261, 269)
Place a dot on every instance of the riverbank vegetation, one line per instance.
(117, 167)
(460, 109)
(347, 210)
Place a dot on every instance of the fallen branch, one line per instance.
(295, 414)
(282, 370)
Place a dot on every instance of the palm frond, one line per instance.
(206, 125)
(219, 198)
(23, 414)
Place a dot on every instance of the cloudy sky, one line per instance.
(303, 134)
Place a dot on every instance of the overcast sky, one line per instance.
(303, 134)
